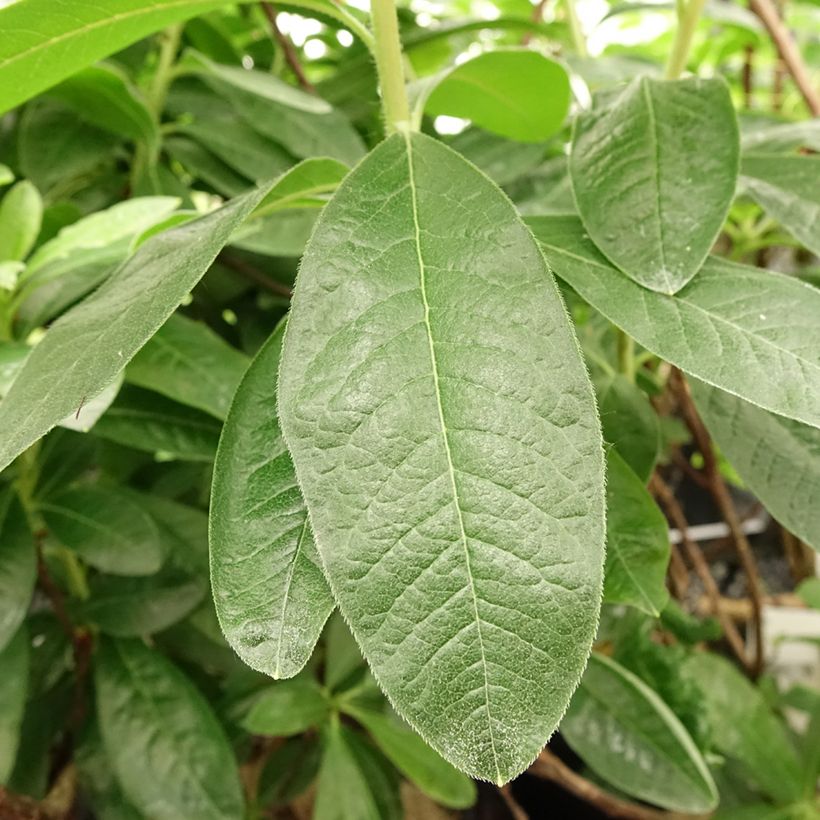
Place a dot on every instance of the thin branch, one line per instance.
(253, 274)
(550, 767)
(291, 57)
(673, 510)
(720, 494)
(787, 48)
(511, 803)
(537, 17)
(678, 574)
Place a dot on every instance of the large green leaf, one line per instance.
(744, 728)
(762, 347)
(778, 458)
(654, 174)
(520, 94)
(626, 734)
(186, 361)
(44, 43)
(18, 565)
(444, 433)
(14, 662)
(787, 188)
(166, 746)
(106, 528)
(269, 590)
(288, 707)
(85, 349)
(637, 543)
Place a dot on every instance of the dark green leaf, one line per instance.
(288, 707)
(13, 692)
(303, 186)
(205, 166)
(18, 565)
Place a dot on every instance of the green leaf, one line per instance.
(417, 761)
(771, 136)
(809, 591)
(205, 166)
(270, 593)
(21, 214)
(626, 734)
(502, 160)
(654, 174)
(303, 186)
(445, 437)
(86, 348)
(777, 458)
(288, 707)
(150, 422)
(14, 662)
(744, 728)
(89, 412)
(352, 782)
(637, 543)
(43, 47)
(342, 654)
(762, 347)
(787, 188)
(520, 94)
(167, 748)
(186, 361)
(129, 607)
(105, 528)
(103, 96)
(284, 233)
(629, 422)
(12, 357)
(18, 565)
(6, 175)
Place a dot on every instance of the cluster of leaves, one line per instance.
(459, 472)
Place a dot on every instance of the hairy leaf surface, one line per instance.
(270, 593)
(444, 433)
(639, 165)
(763, 347)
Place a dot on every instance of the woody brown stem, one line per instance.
(291, 57)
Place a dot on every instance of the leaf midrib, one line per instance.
(446, 440)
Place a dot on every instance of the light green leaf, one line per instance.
(303, 186)
(777, 458)
(129, 607)
(167, 748)
(445, 437)
(14, 662)
(744, 728)
(269, 590)
(520, 94)
(186, 361)
(103, 96)
(87, 347)
(417, 761)
(105, 528)
(147, 421)
(629, 422)
(352, 782)
(287, 708)
(21, 214)
(6, 174)
(626, 734)
(45, 44)
(787, 188)
(637, 544)
(763, 347)
(654, 174)
(18, 565)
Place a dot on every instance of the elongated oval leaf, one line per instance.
(787, 188)
(519, 94)
(166, 746)
(18, 565)
(778, 458)
(763, 347)
(303, 186)
(21, 213)
(270, 593)
(85, 349)
(106, 529)
(288, 708)
(14, 661)
(637, 542)
(626, 734)
(654, 175)
(445, 436)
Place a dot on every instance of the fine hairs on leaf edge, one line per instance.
(602, 461)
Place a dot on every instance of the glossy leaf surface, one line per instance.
(270, 593)
(639, 163)
(444, 433)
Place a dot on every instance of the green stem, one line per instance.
(626, 355)
(688, 17)
(578, 39)
(389, 66)
(169, 46)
